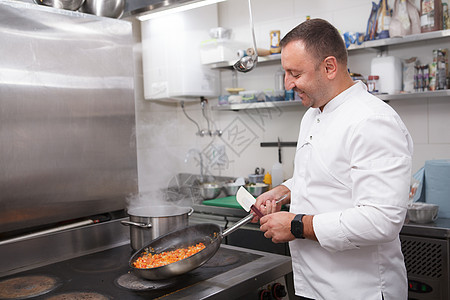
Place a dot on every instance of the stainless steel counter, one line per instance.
(439, 229)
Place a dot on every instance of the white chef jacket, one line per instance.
(352, 171)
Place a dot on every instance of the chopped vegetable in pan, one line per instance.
(149, 260)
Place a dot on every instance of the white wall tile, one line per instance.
(414, 114)
(439, 120)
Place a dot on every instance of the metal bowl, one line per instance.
(62, 4)
(257, 188)
(104, 8)
(210, 190)
(422, 212)
(231, 189)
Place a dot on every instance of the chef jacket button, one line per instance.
(310, 137)
(318, 120)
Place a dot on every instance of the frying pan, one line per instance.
(209, 234)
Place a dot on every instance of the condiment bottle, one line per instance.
(275, 41)
(372, 83)
(268, 180)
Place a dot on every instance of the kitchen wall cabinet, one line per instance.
(376, 46)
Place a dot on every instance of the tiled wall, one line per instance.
(165, 135)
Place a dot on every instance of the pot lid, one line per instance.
(153, 211)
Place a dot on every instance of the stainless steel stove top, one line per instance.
(232, 272)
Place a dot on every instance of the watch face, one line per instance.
(298, 230)
(297, 227)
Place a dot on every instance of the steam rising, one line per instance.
(158, 159)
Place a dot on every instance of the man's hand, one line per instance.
(277, 226)
(266, 202)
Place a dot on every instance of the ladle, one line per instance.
(247, 63)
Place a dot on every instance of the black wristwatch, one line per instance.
(297, 226)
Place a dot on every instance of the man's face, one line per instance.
(303, 75)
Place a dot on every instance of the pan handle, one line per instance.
(236, 226)
(142, 225)
(191, 211)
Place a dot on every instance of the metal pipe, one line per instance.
(199, 132)
(47, 231)
(203, 102)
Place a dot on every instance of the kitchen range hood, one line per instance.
(143, 9)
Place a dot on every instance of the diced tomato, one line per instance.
(148, 260)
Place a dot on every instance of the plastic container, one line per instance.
(252, 96)
(390, 70)
(279, 80)
(271, 95)
(219, 50)
(256, 178)
(277, 174)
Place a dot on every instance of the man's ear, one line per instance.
(331, 66)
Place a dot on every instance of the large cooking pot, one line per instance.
(209, 234)
(148, 223)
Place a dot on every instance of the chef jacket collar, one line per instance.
(341, 98)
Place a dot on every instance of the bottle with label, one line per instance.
(275, 41)
(430, 15)
(441, 69)
(372, 83)
(279, 90)
(445, 16)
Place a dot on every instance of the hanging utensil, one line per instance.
(247, 63)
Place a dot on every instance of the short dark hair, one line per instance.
(320, 38)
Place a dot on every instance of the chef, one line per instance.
(350, 186)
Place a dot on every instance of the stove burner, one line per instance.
(79, 296)
(221, 260)
(97, 265)
(27, 286)
(132, 282)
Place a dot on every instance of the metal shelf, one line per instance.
(402, 96)
(402, 40)
(366, 45)
(261, 60)
(280, 104)
(257, 105)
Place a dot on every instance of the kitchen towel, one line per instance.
(435, 187)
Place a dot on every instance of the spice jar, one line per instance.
(275, 41)
(372, 83)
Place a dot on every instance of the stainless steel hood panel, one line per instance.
(67, 116)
